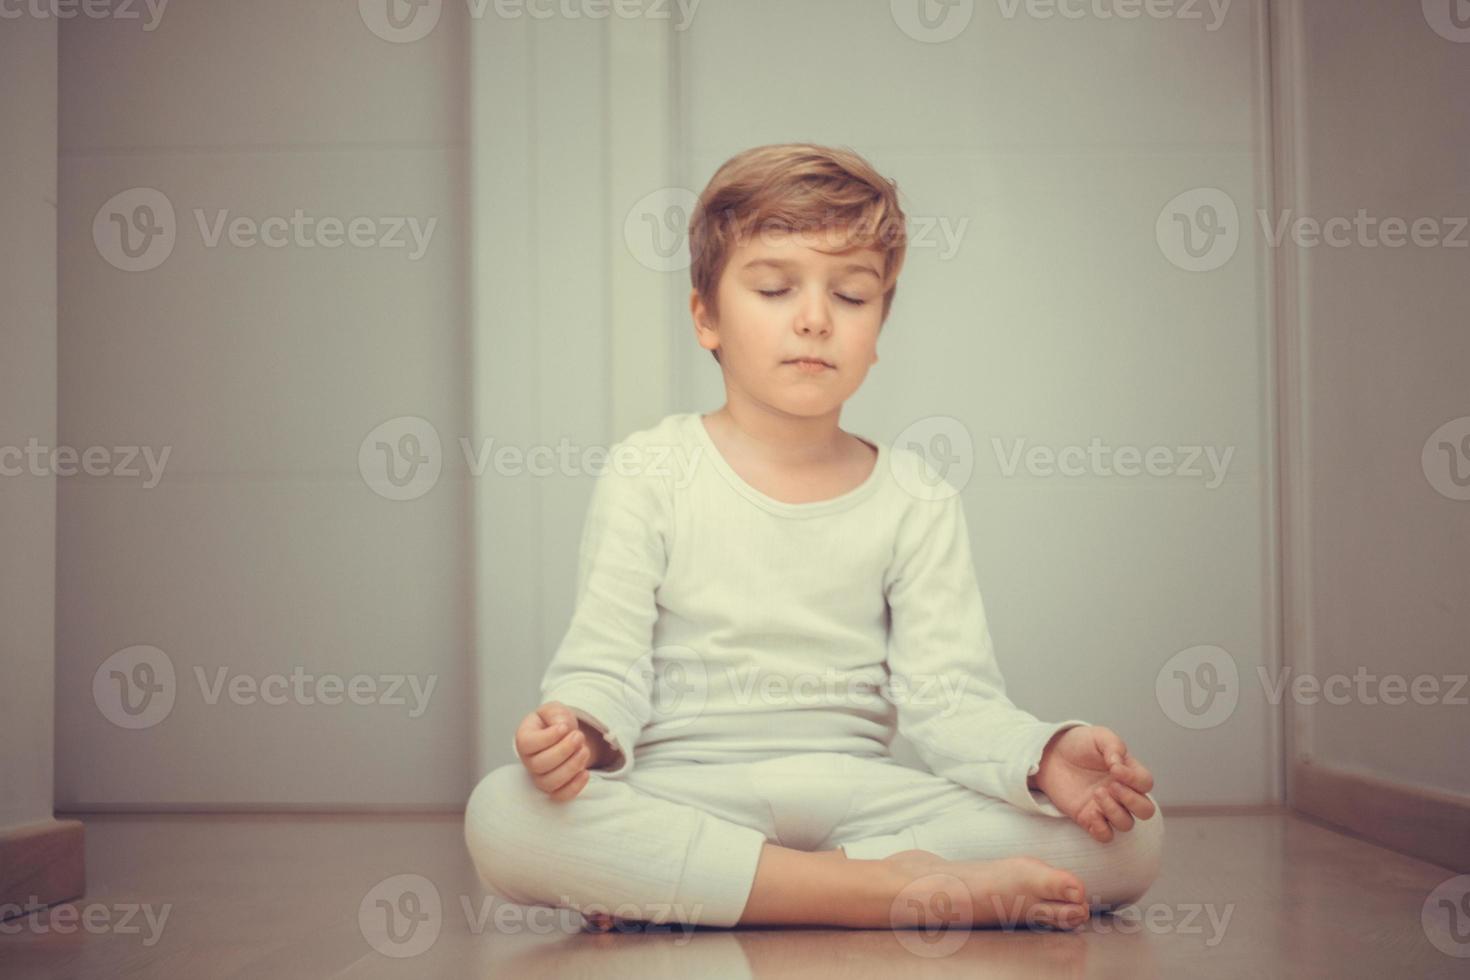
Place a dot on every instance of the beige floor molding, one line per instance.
(41, 864)
(1424, 823)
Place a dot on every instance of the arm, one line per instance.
(602, 669)
(969, 731)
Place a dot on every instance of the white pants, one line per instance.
(679, 842)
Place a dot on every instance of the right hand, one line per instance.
(554, 751)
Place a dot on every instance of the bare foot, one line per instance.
(1008, 892)
(597, 921)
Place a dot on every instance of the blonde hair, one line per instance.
(795, 187)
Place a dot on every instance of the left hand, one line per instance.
(1088, 774)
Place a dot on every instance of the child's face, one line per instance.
(780, 298)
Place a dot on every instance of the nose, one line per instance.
(813, 318)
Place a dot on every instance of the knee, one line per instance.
(496, 818)
(1134, 859)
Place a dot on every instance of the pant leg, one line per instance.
(920, 810)
(612, 845)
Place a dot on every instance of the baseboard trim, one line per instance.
(227, 808)
(1422, 823)
(270, 815)
(41, 864)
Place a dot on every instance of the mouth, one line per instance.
(812, 363)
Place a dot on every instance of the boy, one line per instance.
(687, 765)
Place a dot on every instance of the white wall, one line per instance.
(1381, 125)
(27, 410)
(263, 549)
(1054, 144)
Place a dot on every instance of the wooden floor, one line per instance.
(309, 896)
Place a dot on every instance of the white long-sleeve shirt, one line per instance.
(715, 623)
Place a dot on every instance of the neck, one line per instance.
(792, 440)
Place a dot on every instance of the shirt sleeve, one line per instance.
(602, 669)
(947, 686)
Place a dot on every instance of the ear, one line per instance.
(704, 333)
(696, 308)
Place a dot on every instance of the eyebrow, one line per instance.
(786, 264)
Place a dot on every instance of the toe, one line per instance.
(1059, 915)
(1062, 886)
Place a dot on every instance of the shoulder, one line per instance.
(644, 462)
(669, 431)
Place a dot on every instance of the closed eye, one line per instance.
(772, 294)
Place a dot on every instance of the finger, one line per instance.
(562, 774)
(1109, 746)
(1133, 774)
(548, 759)
(1139, 805)
(532, 737)
(1120, 818)
(572, 788)
(556, 713)
(1090, 819)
